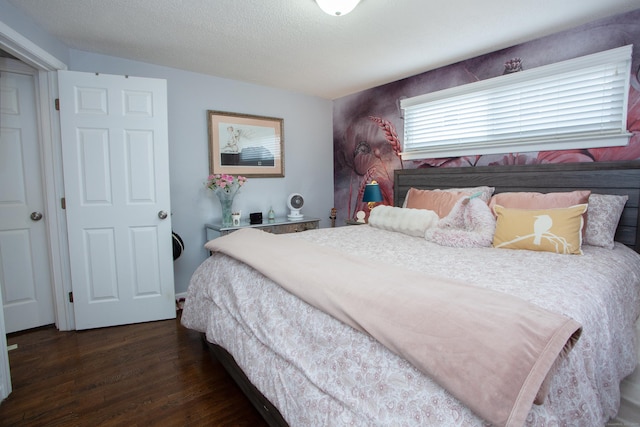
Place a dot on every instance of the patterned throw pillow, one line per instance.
(551, 230)
(604, 214)
(485, 192)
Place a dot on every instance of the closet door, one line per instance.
(116, 175)
(25, 276)
(5, 376)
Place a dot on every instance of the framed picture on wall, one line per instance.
(244, 144)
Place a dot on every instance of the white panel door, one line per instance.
(24, 260)
(116, 173)
(5, 374)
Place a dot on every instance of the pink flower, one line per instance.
(225, 182)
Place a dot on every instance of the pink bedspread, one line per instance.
(316, 371)
(489, 349)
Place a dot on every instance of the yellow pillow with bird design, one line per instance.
(552, 230)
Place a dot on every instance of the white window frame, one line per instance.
(460, 121)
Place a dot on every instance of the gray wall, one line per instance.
(308, 142)
(308, 147)
(27, 28)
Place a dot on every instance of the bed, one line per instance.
(302, 366)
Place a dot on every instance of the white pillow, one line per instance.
(413, 222)
(469, 225)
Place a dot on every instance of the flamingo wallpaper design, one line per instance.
(367, 126)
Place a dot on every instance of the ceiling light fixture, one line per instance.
(337, 7)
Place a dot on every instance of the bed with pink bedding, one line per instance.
(317, 370)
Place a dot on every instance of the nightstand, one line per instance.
(279, 226)
(354, 222)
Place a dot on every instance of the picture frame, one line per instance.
(245, 144)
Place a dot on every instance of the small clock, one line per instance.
(295, 201)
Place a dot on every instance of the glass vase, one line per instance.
(226, 203)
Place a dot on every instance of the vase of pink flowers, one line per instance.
(226, 187)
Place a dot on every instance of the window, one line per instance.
(579, 103)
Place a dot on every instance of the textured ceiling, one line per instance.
(292, 44)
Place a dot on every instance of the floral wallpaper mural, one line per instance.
(368, 127)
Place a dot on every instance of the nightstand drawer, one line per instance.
(295, 227)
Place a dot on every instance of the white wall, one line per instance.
(308, 140)
(27, 28)
(308, 148)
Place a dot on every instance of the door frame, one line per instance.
(46, 82)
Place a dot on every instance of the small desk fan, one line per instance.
(295, 202)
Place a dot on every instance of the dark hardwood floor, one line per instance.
(150, 374)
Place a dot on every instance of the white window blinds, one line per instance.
(579, 103)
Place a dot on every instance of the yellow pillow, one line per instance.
(551, 230)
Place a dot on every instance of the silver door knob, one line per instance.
(36, 216)
(162, 215)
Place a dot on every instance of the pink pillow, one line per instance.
(441, 202)
(530, 200)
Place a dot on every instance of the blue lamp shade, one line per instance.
(372, 193)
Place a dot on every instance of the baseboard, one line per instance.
(628, 415)
(629, 412)
(630, 387)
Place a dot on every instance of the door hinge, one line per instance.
(71, 297)
(57, 104)
(63, 203)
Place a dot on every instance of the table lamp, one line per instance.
(371, 196)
